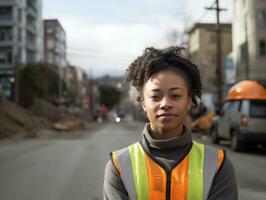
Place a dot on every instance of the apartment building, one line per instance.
(21, 42)
(202, 50)
(77, 84)
(54, 43)
(249, 39)
(202, 46)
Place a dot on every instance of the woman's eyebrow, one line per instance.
(155, 90)
(175, 88)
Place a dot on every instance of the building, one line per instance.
(21, 42)
(78, 84)
(54, 43)
(202, 52)
(249, 39)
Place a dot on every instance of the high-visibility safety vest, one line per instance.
(145, 179)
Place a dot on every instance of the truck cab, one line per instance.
(243, 116)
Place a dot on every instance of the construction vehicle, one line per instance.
(242, 118)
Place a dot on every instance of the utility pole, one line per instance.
(246, 48)
(17, 80)
(91, 91)
(219, 68)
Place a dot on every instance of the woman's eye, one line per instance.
(176, 96)
(155, 98)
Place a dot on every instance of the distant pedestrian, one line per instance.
(167, 163)
(103, 112)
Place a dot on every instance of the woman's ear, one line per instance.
(143, 104)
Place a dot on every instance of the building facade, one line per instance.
(249, 39)
(21, 42)
(202, 51)
(54, 43)
(77, 83)
(202, 44)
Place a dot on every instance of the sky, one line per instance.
(105, 36)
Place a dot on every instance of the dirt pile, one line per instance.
(62, 120)
(43, 108)
(42, 115)
(14, 119)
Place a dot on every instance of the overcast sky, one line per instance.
(105, 36)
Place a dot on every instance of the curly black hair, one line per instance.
(154, 60)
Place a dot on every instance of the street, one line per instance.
(71, 166)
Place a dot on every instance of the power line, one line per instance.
(87, 50)
(205, 13)
(202, 15)
(181, 10)
(93, 55)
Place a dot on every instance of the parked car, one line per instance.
(243, 116)
(120, 116)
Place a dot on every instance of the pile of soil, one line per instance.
(15, 119)
(61, 119)
(42, 115)
(43, 108)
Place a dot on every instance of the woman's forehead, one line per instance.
(168, 79)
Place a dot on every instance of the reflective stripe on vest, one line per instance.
(191, 179)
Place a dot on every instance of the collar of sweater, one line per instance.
(171, 143)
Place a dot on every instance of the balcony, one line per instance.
(7, 2)
(31, 45)
(31, 8)
(32, 29)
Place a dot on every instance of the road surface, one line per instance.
(71, 166)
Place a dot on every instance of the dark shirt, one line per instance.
(168, 153)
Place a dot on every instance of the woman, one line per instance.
(167, 163)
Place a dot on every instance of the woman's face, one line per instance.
(166, 101)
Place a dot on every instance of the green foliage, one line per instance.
(109, 95)
(37, 80)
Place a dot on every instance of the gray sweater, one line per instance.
(168, 153)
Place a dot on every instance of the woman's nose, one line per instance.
(165, 103)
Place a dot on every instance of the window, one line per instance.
(258, 109)
(230, 106)
(32, 4)
(239, 106)
(31, 57)
(19, 34)
(234, 107)
(5, 33)
(243, 52)
(20, 15)
(31, 22)
(5, 13)
(49, 30)
(262, 47)
(5, 55)
(50, 58)
(31, 40)
(50, 44)
(6, 86)
(261, 18)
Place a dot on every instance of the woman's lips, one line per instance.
(167, 115)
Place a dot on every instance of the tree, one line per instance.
(37, 80)
(109, 95)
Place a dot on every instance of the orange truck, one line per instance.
(243, 116)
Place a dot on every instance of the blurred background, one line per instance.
(64, 104)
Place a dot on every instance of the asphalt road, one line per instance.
(71, 166)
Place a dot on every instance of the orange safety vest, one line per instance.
(145, 179)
